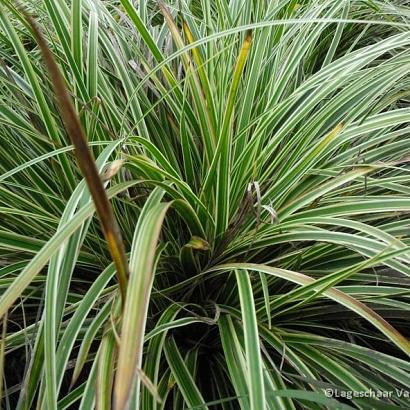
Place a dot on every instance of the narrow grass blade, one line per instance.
(252, 345)
(137, 301)
(86, 162)
(183, 378)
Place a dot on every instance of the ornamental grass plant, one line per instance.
(204, 204)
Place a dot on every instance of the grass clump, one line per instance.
(252, 160)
